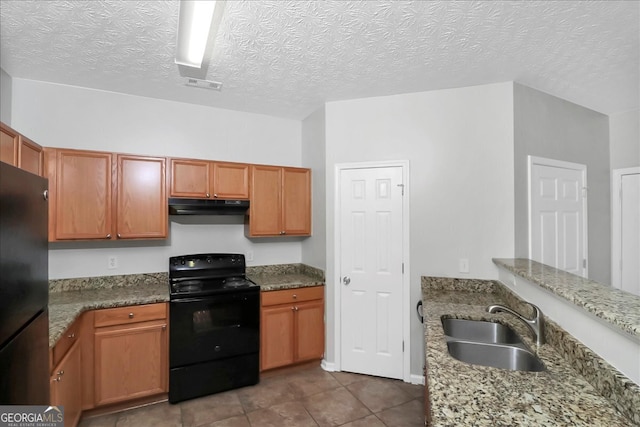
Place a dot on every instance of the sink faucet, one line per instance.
(536, 324)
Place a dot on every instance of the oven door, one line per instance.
(214, 327)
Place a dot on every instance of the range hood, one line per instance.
(207, 207)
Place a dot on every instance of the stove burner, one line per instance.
(236, 282)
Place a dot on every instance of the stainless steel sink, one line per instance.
(510, 357)
(480, 331)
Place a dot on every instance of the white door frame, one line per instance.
(616, 236)
(533, 160)
(406, 282)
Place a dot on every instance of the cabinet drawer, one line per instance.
(65, 342)
(129, 314)
(292, 295)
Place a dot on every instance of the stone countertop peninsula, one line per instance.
(285, 276)
(68, 298)
(462, 394)
(620, 309)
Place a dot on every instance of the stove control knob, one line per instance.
(217, 348)
(182, 262)
(209, 260)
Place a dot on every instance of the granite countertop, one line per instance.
(285, 276)
(620, 309)
(65, 307)
(68, 298)
(462, 394)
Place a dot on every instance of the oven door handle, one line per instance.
(248, 296)
(187, 278)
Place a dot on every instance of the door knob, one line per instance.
(346, 280)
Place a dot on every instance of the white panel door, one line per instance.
(630, 233)
(371, 271)
(557, 215)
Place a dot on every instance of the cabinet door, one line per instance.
(9, 140)
(66, 385)
(130, 361)
(230, 180)
(296, 201)
(190, 178)
(30, 156)
(264, 210)
(309, 330)
(141, 208)
(276, 336)
(83, 195)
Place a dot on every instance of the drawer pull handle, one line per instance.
(130, 315)
(72, 335)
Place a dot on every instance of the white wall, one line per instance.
(5, 97)
(460, 146)
(551, 127)
(624, 139)
(313, 157)
(72, 117)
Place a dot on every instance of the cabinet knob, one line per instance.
(282, 232)
(45, 194)
(295, 308)
(295, 296)
(215, 195)
(57, 379)
(164, 327)
(60, 372)
(207, 195)
(72, 335)
(119, 236)
(130, 315)
(108, 236)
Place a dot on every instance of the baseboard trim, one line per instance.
(417, 379)
(328, 366)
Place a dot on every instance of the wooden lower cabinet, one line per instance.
(131, 359)
(291, 327)
(66, 376)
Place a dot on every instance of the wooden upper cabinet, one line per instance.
(9, 142)
(205, 179)
(82, 207)
(280, 201)
(20, 151)
(96, 195)
(265, 209)
(190, 178)
(141, 208)
(30, 156)
(296, 201)
(230, 180)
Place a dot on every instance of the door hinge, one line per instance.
(403, 346)
(402, 188)
(403, 268)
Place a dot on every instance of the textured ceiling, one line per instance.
(286, 58)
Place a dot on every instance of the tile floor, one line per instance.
(307, 397)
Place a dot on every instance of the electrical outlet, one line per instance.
(249, 256)
(112, 262)
(463, 265)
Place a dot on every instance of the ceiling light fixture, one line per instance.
(197, 19)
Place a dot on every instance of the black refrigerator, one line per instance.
(24, 288)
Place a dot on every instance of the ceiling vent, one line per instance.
(204, 84)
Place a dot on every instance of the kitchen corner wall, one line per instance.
(459, 143)
(547, 126)
(73, 117)
(313, 156)
(5, 97)
(624, 142)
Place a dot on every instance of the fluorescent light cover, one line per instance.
(193, 31)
